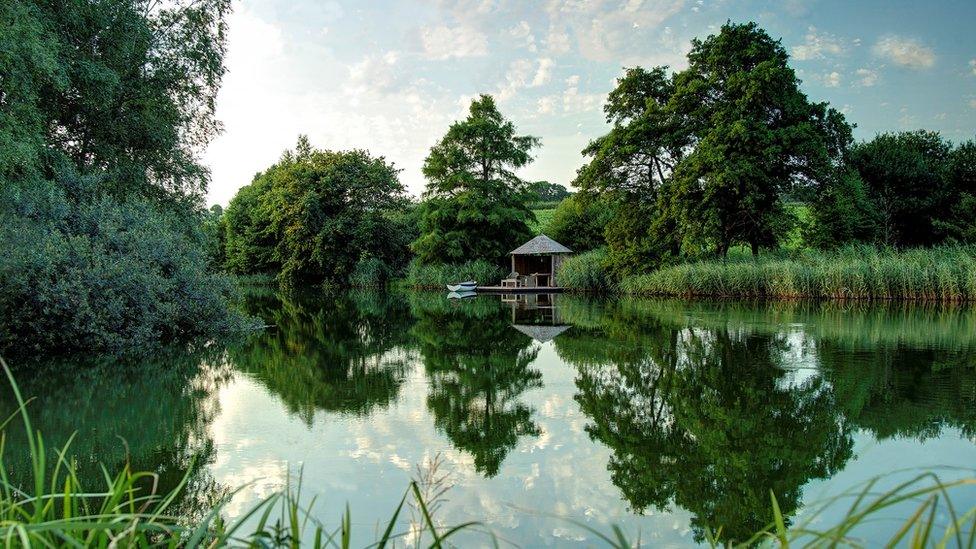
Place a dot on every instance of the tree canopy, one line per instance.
(315, 215)
(475, 204)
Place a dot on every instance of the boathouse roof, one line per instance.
(541, 244)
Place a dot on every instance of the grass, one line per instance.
(945, 273)
(542, 218)
(55, 510)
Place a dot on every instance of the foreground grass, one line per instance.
(940, 274)
(55, 510)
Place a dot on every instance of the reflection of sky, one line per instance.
(369, 461)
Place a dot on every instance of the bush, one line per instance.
(421, 275)
(946, 273)
(579, 222)
(586, 272)
(82, 271)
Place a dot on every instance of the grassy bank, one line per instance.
(938, 274)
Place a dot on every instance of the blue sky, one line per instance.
(391, 76)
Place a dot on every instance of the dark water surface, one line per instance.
(659, 416)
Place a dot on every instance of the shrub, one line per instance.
(579, 222)
(420, 275)
(82, 271)
(586, 272)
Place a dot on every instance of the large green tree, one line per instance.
(755, 136)
(908, 179)
(475, 205)
(121, 88)
(315, 215)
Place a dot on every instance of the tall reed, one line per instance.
(946, 273)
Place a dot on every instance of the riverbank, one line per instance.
(946, 273)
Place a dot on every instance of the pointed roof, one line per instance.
(541, 334)
(541, 244)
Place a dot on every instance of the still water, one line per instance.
(661, 417)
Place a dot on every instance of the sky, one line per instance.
(391, 76)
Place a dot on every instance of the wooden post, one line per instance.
(513, 263)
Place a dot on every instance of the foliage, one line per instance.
(546, 192)
(907, 176)
(475, 206)
(579, 222)
(316, 215)
(542, 219)
(83, 271)
(755, 137)
(104, 109)
(945, 273)
(420, 275)
(842, 213)
(125, 88)
(587, 271)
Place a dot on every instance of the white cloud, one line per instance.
(544, 73)
(831, 79)
(557, 41)
(522, 34)
(624, 34)
(524, 73)
(907, 52)
(442, 42)
(972, 66)
(546, 105)
(374, 73)
(972, 103)
(866, 77)
(817, 45)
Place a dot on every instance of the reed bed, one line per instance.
(946, 273)
(420, 276)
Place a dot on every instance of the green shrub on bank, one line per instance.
(586, 272)
(370, 272)
(420, 275)
(82, 271)
(945, 273)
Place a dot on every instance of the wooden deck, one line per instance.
(519, 290)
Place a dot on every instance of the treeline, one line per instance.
(726, 155)
(104, 106)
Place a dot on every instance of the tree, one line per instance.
(544, 191)
(313, 216)
(579, 222)
(104, 107)
(631, 165)
(122, 88)
(755, 136)
(908, 179)
(475, 205)
(842, 212)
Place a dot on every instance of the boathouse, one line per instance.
(534, 263)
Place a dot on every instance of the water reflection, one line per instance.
(696, 407)
(342, 353)
(478, 368)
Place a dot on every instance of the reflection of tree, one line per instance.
(154, 415)
(340, 353)
(897, 390)
(704, 419)
(478, 367)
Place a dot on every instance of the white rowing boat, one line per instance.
(466, 286)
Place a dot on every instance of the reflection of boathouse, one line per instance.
(536, 315)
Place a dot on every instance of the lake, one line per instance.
(538, 413)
